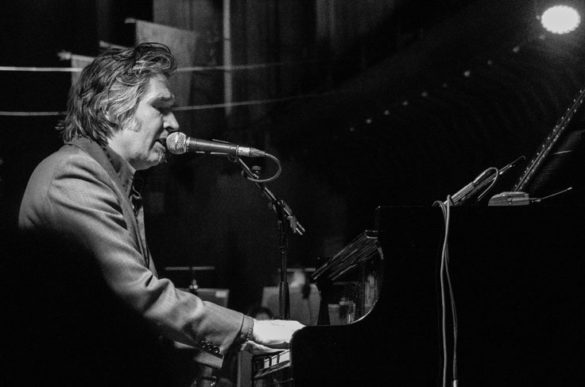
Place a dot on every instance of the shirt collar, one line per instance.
(122, 168)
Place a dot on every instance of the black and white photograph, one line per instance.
(292, 193)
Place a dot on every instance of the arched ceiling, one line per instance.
(482, 88)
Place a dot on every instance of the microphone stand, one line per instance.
(286, 222)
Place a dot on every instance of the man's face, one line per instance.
(143, 145)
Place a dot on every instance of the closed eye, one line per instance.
(165, 109)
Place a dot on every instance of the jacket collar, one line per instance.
(118, 168)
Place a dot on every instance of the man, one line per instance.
(119, 114)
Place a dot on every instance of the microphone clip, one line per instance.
(520, 198)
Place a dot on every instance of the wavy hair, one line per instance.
(107, 94)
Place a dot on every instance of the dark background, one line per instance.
(398, 103)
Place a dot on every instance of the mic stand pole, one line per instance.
(283, 289)
(284, 214)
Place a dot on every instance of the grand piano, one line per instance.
(518, 276)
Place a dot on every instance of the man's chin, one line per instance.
(156, 159)
(161, 157)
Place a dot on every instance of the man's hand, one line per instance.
(257, 349)
(274, 333)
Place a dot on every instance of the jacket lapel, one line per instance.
(99, 155)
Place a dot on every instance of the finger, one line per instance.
(257, 349)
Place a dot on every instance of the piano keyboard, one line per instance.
(273, 369)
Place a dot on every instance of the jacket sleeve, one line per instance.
(80, 200)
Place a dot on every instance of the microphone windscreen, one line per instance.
(177, 143)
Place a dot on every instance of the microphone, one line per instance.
(179, 143)
(475, 186)
(488, 176)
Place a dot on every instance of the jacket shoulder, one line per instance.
(67, 164)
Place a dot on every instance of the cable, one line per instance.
(250, 175)
(485, 191)
(453, 321)
(245, 67)
(35, 69)
(252, 102)
(186, 108)
(31, 114)
(446, 209)
(68, 56)
(444, 273)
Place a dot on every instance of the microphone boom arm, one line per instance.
(278, 205)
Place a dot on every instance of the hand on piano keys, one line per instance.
(258, 349)
(271, 335)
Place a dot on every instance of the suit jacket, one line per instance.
(81, 193)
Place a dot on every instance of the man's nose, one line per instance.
(170, 123)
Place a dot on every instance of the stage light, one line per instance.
(560, 19)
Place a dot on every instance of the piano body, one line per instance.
(519, 283)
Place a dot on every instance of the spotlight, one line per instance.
(560, 19)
